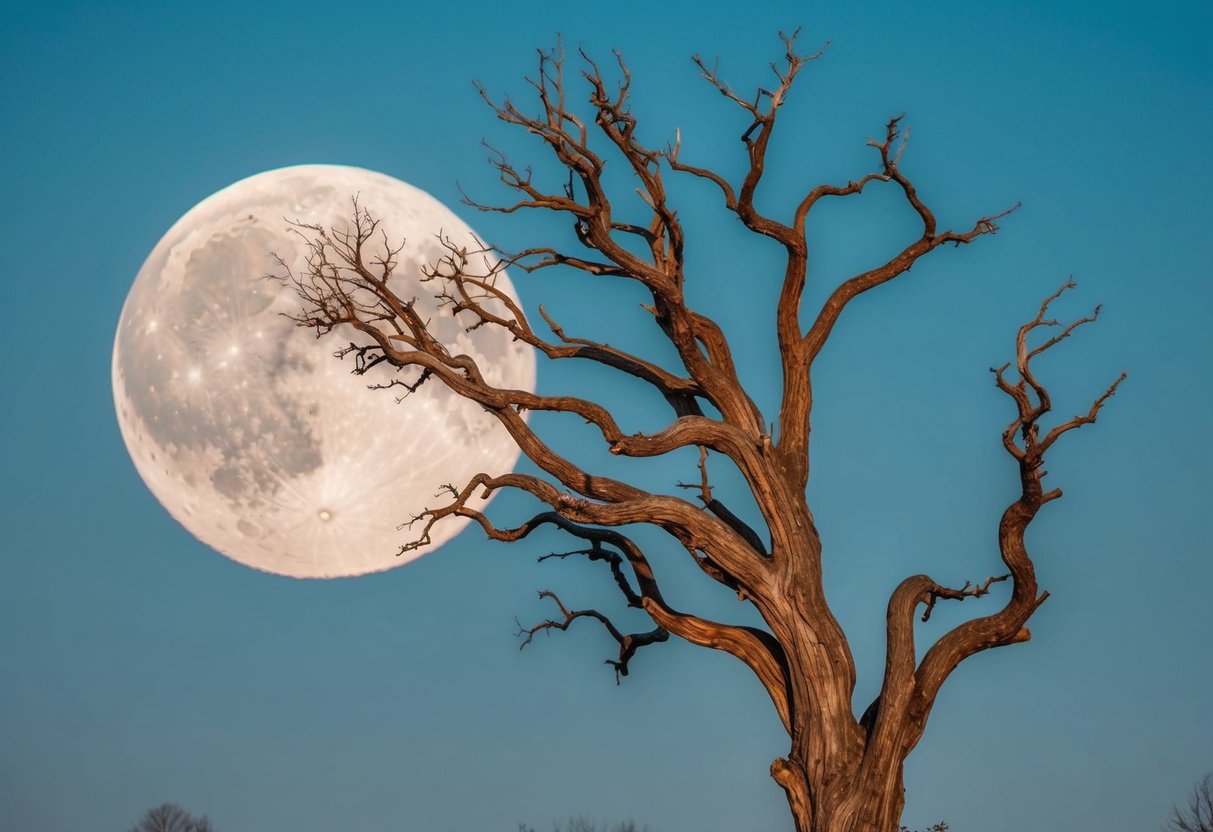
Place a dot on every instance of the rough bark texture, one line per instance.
(843, 771)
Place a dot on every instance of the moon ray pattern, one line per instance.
(248, 431)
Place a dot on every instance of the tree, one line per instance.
(1197, 816)
(584, 824)
(169, 817)
(843, 771)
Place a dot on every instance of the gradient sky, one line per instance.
(139, 666)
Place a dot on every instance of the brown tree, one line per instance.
(843, 771)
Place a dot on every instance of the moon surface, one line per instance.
(248, 430)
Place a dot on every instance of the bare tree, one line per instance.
(1197, 816)
(844, 769)
(584, 824)
(169, 817)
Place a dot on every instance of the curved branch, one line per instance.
(720, 509)
(614, 560)
(762, 112)
(895, 720)
(1008, 625)
(886, 716)
(342, 289)
(760, 651)
(816, 337)
(337, 300)
(464, 291)
(628, 644)
(699, 341)
(680, 392)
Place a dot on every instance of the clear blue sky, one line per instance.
(139, 667)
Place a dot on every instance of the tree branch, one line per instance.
(759, 650)
(1031, 401)
(762, 111)
(628, 644)
(699, 341)
(720, 509)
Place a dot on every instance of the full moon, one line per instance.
(248, 430)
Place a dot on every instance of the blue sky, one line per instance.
(141, 667)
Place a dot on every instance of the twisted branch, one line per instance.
(908, 693)
(628, 644)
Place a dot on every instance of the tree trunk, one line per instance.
(838, 776)
(858, 805)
